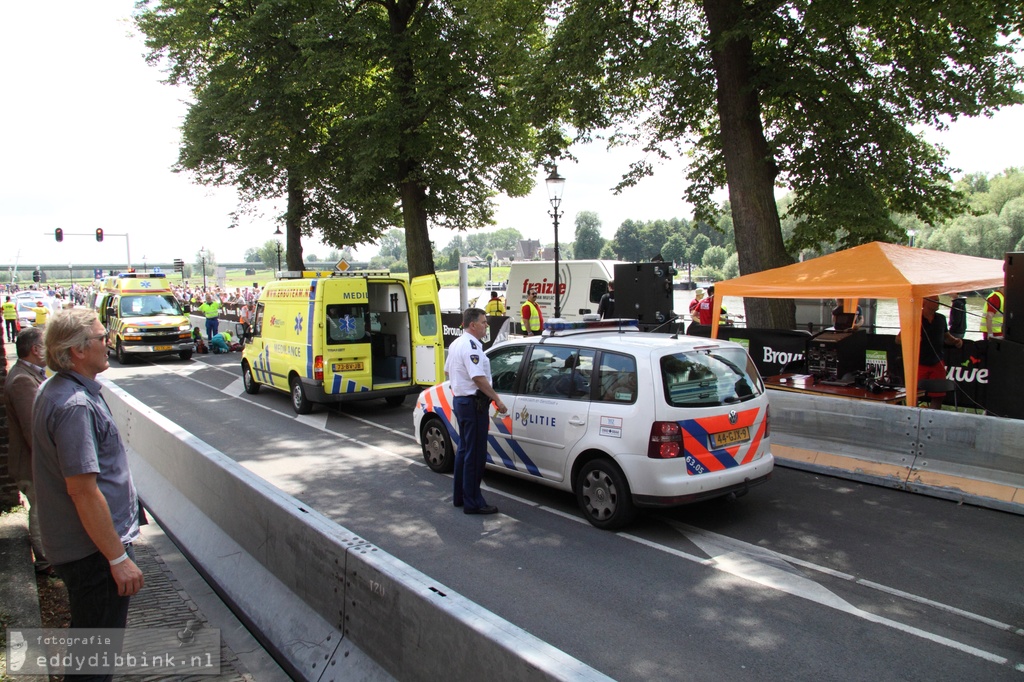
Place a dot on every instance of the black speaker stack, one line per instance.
(1006, 355)
(1013, 294)
(643, 291)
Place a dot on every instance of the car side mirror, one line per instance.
(110, 312)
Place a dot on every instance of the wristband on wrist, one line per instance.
(123, 557)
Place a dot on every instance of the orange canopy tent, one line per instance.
(875, 270)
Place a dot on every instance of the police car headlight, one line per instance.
(131, 330)
(185, 328)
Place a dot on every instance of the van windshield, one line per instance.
(346, 323)
(710, 378)
(150, 304)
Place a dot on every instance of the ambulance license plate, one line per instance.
(347, 367)
(159, 348)
(734, 437)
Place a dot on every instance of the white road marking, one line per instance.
(735, 557)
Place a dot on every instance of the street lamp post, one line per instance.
(911, 233)
(556, 183)
(71, 276)
(202, 258)
(278, 233)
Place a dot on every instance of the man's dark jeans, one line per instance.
(94, 600)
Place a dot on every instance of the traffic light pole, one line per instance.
(59, 234)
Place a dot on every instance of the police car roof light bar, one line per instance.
(555, 326)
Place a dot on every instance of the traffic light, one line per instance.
(99, 234)
(59, 234)
(35, 275)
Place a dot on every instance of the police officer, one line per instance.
(469, 372)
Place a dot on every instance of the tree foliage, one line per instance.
(589, 241)
(819, 97)
(365, 114)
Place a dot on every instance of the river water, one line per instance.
(886, 315)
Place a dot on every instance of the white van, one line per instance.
(582, 283)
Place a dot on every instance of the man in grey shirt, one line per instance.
(88, 508)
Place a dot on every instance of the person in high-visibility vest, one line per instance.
(211, 311)
(11, 319)
(532, 320)
(992, 324)
(495, 306)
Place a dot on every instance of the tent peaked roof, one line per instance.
(875, 270)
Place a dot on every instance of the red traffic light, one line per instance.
(99, 234)
(59, 234)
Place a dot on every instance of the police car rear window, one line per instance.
(711, 378)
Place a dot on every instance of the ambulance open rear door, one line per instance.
(427, 339)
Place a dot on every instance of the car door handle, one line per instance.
(577, 421)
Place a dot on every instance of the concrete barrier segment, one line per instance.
(959, 456)
(330, 604)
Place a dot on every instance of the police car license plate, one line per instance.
(347, 367)
(163, 348)
(727, 438)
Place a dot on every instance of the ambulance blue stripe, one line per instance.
(336, 384)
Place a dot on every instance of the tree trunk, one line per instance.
(749, 166)
(293, 222)
(412, 190)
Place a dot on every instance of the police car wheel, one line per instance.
(603, 495)
(438, 452)
(185, 355)
(248, 381)
(300, 402)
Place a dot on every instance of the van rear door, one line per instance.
(346, 336)
(427, 337)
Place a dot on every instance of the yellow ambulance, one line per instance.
(142, 317)
(328, 337)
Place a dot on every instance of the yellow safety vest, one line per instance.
(10, 311)
(494, 307)
(534, 320)
(997, 317)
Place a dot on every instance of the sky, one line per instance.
(90, 134)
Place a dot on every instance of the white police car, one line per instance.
(621, 418)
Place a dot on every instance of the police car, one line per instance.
(620, 418)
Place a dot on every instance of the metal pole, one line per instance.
(558, 283)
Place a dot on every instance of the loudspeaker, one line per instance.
(1005, 378)
(1013, 291)
(644, 291)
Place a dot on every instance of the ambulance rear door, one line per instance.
(427, 337)
(346, 340)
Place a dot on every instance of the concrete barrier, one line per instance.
(958, 456)
(327, 604)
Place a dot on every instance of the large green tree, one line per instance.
(589, 241)
(364, 114)
(821, 97)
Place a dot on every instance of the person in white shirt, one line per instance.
(469, 372)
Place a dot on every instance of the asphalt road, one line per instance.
(805, 578)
